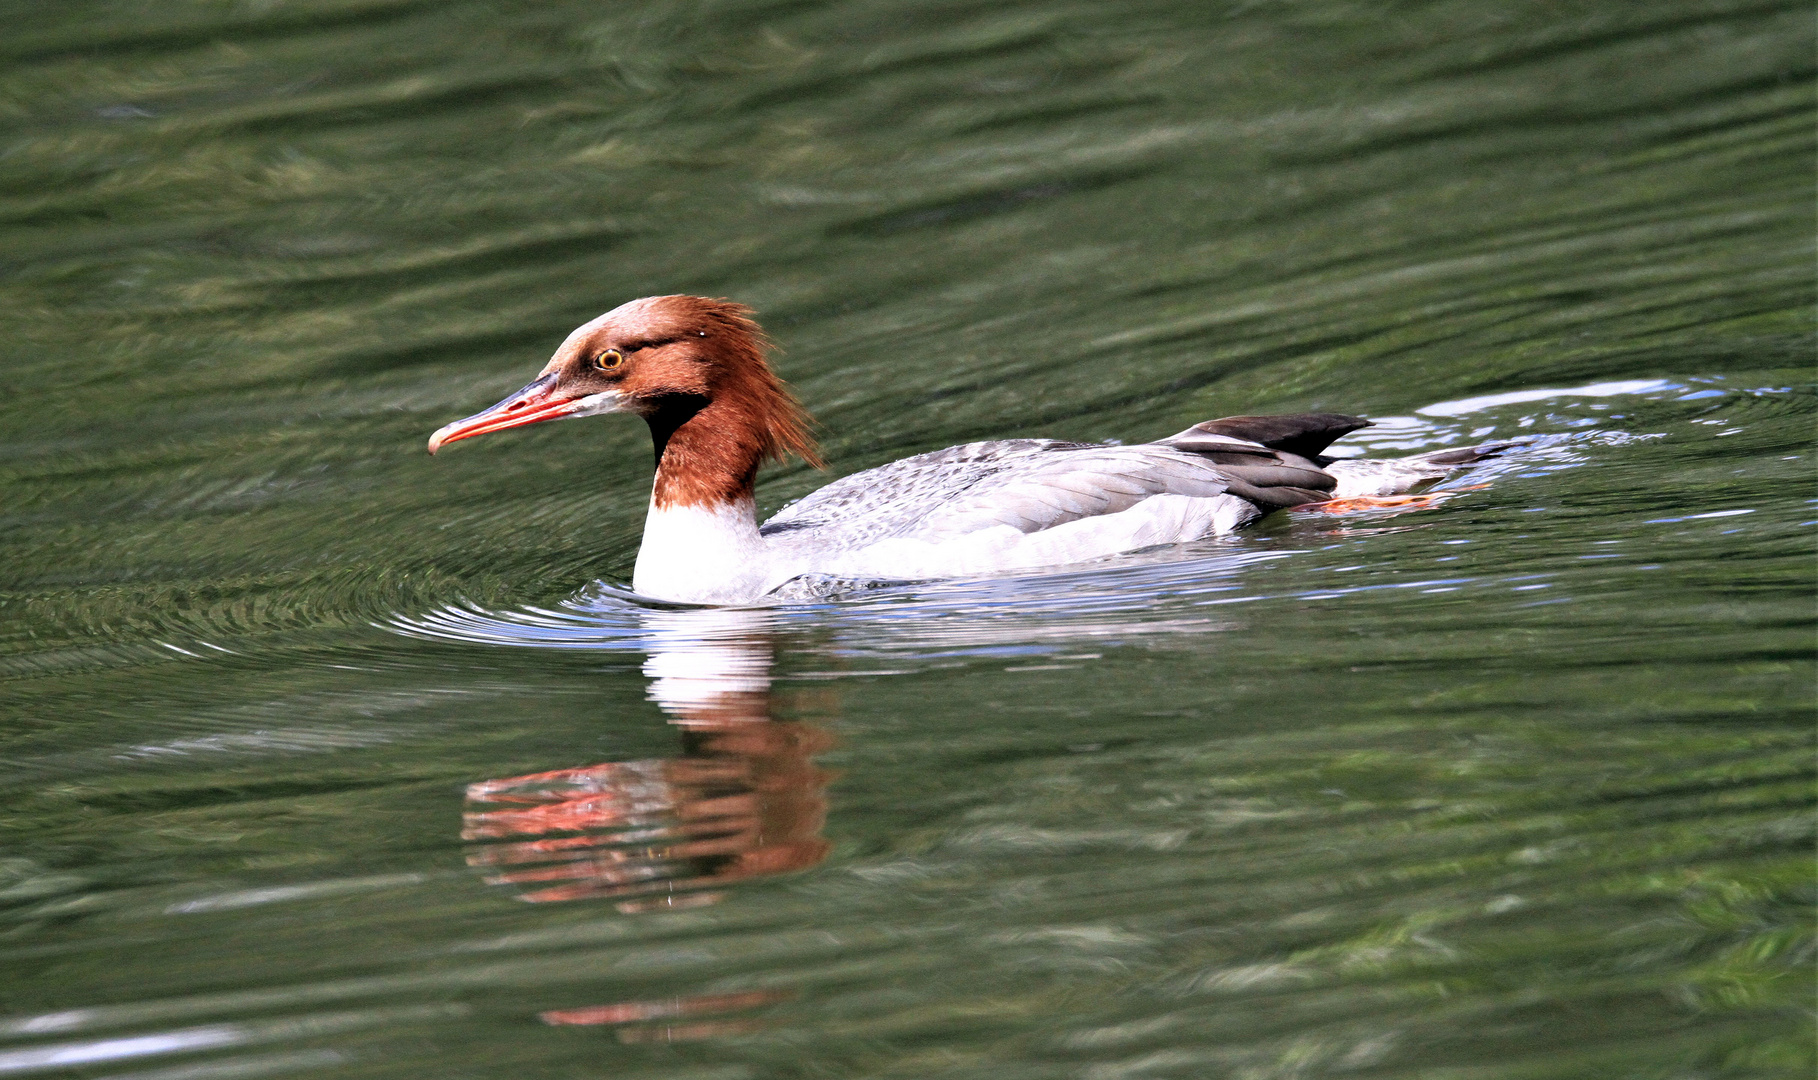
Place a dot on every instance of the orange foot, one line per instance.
(1385, 502)
(1376, 502)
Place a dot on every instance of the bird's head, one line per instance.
(667, 359)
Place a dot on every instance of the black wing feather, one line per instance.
(1306, 434)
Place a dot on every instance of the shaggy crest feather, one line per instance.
(782, 424)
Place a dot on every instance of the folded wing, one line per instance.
(1035, 484)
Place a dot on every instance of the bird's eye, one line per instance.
(609, 360)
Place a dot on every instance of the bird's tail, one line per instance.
(1373, 477)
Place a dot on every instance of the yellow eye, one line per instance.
(609, 359)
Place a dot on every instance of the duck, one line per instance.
(697, 370)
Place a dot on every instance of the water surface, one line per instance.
(324, 758)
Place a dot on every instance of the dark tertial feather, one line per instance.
(1255, 455)
(1277, 498)
(1266, 476)
(1306, 434)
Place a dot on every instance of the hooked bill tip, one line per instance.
(438, 437)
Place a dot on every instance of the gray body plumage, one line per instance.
(1009, 506)
(1017, 503)
(1027, 484)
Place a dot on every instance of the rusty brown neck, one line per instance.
(707, 451)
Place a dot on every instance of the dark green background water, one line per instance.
(1516, 786)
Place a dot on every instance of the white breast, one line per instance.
(702, 554)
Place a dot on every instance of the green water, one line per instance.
(324, 758)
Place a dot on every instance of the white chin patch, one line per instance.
(609, 401)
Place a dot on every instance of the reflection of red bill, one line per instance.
(669, 902)
(628, 1012)
(695, 1032)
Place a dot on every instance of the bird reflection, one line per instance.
(743, 799)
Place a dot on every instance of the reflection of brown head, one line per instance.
(743, 801)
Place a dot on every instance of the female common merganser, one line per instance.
(694, 369)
